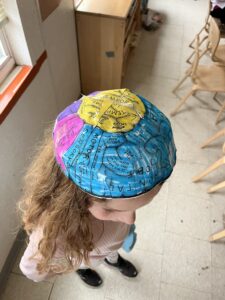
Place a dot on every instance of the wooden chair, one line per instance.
(209, 78)
(211, 168)
(204, 29)
(216, 51)
(220, 162)
(213, 138)
(217, 236)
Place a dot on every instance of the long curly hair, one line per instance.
(51, 201)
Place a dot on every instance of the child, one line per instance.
(110, 154)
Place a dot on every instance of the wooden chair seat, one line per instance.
(210, 78)
(220, 54)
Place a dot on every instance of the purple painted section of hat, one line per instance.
(71, 109)
(65, 132)
(94, 93)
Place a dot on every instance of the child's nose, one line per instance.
(129, 217)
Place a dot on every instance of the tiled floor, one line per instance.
(173, 255)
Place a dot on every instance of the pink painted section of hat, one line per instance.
(65, 133)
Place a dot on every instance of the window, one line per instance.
(6, 60)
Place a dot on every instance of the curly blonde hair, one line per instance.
(52, 201)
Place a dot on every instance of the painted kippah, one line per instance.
(114, 144)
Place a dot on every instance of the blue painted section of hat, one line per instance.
(115, 165)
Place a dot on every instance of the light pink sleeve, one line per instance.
(28, 264)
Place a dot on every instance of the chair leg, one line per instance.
(211, 168)
(181, 102)
(220, 113)
(216, 187)
(212, 138)
(217, 100)
(223, 148)
(217, 236)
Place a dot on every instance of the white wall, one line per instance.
(55, 86)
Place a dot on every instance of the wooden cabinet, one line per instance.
(104, 30)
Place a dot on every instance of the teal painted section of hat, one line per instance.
(125, 164)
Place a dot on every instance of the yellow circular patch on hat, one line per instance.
(113, 110)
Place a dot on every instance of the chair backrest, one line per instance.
(195, 62)
(209, 8)
(214, 37)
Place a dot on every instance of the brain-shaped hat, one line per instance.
(114, 144)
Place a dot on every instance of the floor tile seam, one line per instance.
(211, 247)
(193, 163)
(186, 288)
(160, 60)
(220, 268)
(49, 297)
(155, 77)
(163, 245)
(170, 47)
(22, 275)
(153, 61)
(149, 251)
(188, 236)
(214, 265)
(17, 273)
(190, 195)
(167, 77)
(200, 197)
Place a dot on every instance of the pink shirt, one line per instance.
(108, 236)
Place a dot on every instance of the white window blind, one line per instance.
(3, 17)
(7, 62)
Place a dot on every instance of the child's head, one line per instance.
(115, 145)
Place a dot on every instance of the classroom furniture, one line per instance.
(105, 30)
(209, 78)
(220, 162)
(217, 236)
(212, 44)
(213, 138)
(205, 28)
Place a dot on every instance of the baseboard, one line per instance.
(11, 258)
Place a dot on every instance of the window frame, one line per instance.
(7, 63)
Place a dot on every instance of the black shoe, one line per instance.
(90, 277)
(124, 266)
